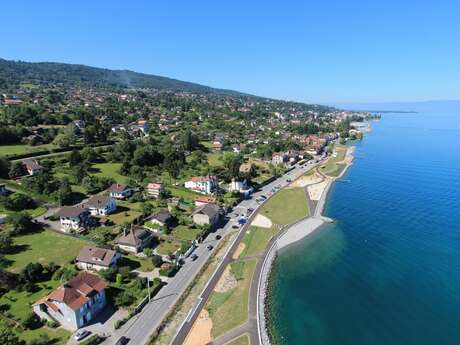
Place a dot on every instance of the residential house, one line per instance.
(101, 205)
(154, 190)
(200, 184)
(237, 186)
(279, 158)
(217, 145)
(246, 168)
(74, 304)
(32, 166)
(134, 240)
(201, 200)
(208, 214)
(74, 218)
(120, 191)
(94, 258)
(163, 218)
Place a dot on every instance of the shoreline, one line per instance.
(290, 235)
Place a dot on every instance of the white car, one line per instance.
(80, 334)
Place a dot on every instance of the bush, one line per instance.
(52, 324)
(157, 260)
(93, 340)
(32, 321)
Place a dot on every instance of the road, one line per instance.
(187, 325)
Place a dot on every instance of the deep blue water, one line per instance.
(388, 271)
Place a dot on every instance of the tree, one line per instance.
(20, 223)
(19, 201)
(17, 169)
(5, 167)
(33, 272)
(75, 158)
(6, 242)
(62, 140)
(190, 141)
(64, 193)
(8, 337)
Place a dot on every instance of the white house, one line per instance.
(120, 191)
(200, 184)
(94, 258)
(279, 158)
(74, 304)
(75, 219)
(134, 240)
(154, 190)
(101, 205)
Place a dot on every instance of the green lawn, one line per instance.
(166, 247)
(45, 246)
(183, 232)
(125, 212)
(234, 302)
(57, 336)
(145, 264)
(255, 240)
(286, 206)
(110, 170)
(12, 150)
(183, 193)
(33, 212)
(215, 159)
(332, 167)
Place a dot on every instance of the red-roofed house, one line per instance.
(74, 304)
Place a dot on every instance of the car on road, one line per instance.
(218, 237)
(263, 197)
(80, 334)
(288, 180)
(122, 341)
(242, 220)
(235, 226)
(193, 257)
(209, 247)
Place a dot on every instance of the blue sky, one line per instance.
(313, 51)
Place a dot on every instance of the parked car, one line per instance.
(209, 247)
(122, 341)
(193, 257)
(235, 226)
(80, 334)
(218, 237)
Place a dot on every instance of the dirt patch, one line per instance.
(238, 251)
(307, 180)
(226, 282)
(200, 334)
(316, 190)
(262, 222)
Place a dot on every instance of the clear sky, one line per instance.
(313, 51)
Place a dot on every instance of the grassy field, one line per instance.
(242, 340)
(45, 246)
(286, 206)
(145, 264)
(57, 336)
(11, 150)
(215, 159)
(33, 212)
(183, 193)
(166, 247)
(110, 170)
(332, 167)
(183, 232)
(125, 212)
(255, 240)
(234, 302)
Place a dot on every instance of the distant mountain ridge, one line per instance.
(16, 72)
(424, 106)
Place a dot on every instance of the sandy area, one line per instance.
(226, 282)
(200, 334)
(262, 222)
(316, 190)
(238, 250)
(306, 180)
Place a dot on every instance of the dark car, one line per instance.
(122, 341)
(235, 226)
(209, 247)
(218, 237)
(193, 257)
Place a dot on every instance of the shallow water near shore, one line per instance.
(388, 270)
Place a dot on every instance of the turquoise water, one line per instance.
(388, 271)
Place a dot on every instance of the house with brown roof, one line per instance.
(208, 214)
(101, 205)
(95, 258)
(74, 218)
(74, 304)
(134, 240)
(201, 200)
(119, 191)
(32, 166)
